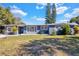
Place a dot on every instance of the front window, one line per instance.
(44, 27)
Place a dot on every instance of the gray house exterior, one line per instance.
(35, 29)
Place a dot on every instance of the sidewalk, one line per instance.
(4, 36)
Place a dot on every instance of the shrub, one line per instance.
(76, 29)
(14, 29)
(65, 29)
(54, 32)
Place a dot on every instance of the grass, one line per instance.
(10, 45)
(9, 42)
(56, 46)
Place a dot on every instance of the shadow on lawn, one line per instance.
(50, 47)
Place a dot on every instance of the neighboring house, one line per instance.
(34, 29)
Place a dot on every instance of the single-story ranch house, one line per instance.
(34, 29)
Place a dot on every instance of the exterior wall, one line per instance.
(9, 30)
(53, 28)
(34, 29)
(44, 29)
(31, 29)
(21, 29)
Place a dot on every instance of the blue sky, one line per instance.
(34, 13)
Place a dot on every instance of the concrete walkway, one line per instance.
(4, 36)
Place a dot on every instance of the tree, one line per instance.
(75, 19)
(53, 13)
(50, 14)
(1, 18)
(9, 16)
(6, 17)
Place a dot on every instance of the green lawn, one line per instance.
(9, 45)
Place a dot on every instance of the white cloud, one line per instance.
(67, 15)
(38, 18)
(39, 7)
(27, 23)
(61, 10)
(59, 4)
(14, 7)
(62, 21)
(44, 4)
(74, 13)
(59, 7)
(34, 17)
(76, 9)
(17, 12)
